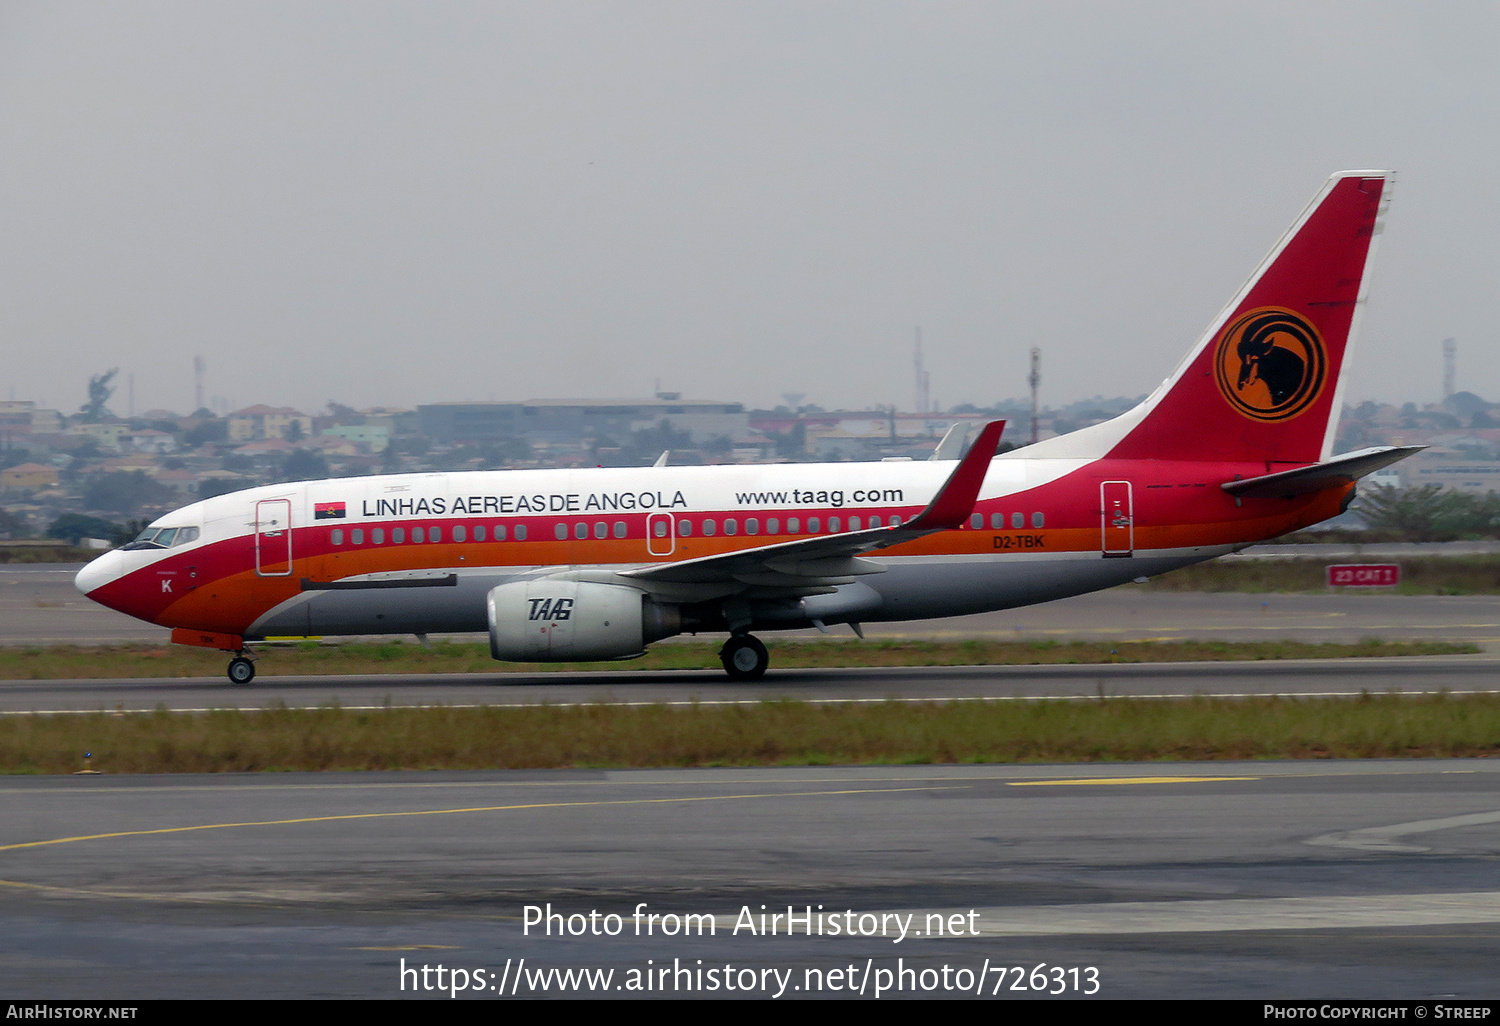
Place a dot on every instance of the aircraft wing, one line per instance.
(1340, 470)
(811, 565)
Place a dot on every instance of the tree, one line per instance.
(10, 456)
(13, 525)
(302, 465)
(127, 532)
(73, 527)
(1415, 514)
(211, 486)
(1465, 404)
(125, 491)
(99, 392)
(792, 444)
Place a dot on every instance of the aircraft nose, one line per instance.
(98, 572)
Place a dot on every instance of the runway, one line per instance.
(1312, 677)
(1287, 880)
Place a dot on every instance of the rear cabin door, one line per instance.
(661, 534)
(1118, 527)
(273, 537)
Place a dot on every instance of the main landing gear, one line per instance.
(744, 657)
(241, 670)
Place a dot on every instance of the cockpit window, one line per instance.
(146, 540)
(163, 537)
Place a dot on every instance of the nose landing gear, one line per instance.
(744, 657)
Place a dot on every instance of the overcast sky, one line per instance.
(401, 203)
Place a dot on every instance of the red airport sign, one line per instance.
(1364, 575)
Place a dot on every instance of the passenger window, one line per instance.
(1017, 521)
(976, 520)
(833, 525)
(461, 533)
(418, 535)
(398, 535)
(854, 523)
(378, 536)
(479, 532)
(684, 528)
(337, 536)
(874, 521)
(436, 535)
(357, 536)
(660, 529)
(793, 525)
(773, 526)
(814, 525)
(709, 527)
(997, 521)
(520, 532)
(731, 526)
(752, 526)
(601, 529)
(560, 532)
(620, 528)
(580, 530)
(1037, 520)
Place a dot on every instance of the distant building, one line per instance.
(257, 422)
(374, 437)
(106, 433)
(1453, 471)
(571, 420)
(28, 477)
(151, 440)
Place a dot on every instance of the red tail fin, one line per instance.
(1264, 383)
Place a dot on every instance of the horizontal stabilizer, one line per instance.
(952, 445)
(1340, 470)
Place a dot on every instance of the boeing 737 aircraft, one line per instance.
(1233, 448)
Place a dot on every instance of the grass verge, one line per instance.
(1420, 575)
(764, 734)
(65, 662)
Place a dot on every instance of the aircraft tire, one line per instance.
(241, 670)
(744, 657)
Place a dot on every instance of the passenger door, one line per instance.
(273, 537)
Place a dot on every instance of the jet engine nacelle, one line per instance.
(561, 621)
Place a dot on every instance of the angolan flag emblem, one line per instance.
(328, 511)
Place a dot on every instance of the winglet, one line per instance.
(953, 503)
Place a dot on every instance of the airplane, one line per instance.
(1234, 447)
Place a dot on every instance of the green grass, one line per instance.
(64, 662)
(763, 734)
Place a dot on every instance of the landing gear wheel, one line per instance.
(744, 657)
(241, 670)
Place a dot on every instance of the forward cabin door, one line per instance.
(1118, 527)
(273, 537)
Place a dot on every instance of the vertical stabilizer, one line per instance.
(1265, 381)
